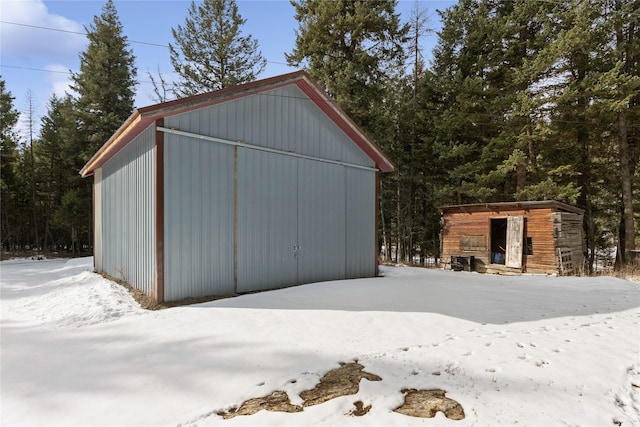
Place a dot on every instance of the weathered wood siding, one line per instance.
(469, 233)
(568, 233)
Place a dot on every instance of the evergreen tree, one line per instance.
(8, 162)
(624, 102)
(486, 125)
(105, 88)
(210, 51)
(352, 49)
(568, 97)
(539, 101)
(355, 51)
(106, 81)
(53, 171)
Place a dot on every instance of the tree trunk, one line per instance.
(623, 46)
(627, 191)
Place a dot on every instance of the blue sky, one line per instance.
(38, 59)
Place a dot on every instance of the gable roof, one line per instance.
(505, 206)
(143, 117)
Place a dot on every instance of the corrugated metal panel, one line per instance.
(267, 220)
(284, 119)
(298, 220)
(198, 212)
(128, 220)
(321, 221)
(361, 222)
(97, 219)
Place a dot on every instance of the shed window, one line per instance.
(473, 242)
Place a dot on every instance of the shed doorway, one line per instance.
(507, 241)
(498, 240)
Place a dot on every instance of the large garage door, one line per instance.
(291, 221)
(267, 220)
(321, 221)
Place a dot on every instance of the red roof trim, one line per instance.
(319, 97)
(146, 116)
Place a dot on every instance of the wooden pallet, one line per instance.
(565, 259)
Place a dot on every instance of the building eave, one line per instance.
(504, 206)
(144, 117)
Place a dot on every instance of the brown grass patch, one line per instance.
(426, 403)
(341, 381)
(278, 401)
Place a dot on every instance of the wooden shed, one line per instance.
(534, 237)
(254, 187)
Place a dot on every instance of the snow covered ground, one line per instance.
(76, 350)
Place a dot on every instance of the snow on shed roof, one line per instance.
(143, 117)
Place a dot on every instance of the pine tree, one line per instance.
(624, 102)
(53, 171)
(210, 51)
(569, 99)
(8, 161)
(539, 100)
(105, 88)
(352, 49)
(486, 127)
(355, 51)
(106, 81)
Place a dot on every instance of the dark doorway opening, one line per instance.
(498, 240)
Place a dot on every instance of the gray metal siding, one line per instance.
(302, 221)
(283, 119)
(361, 223)
(198, 212)
(127, 207)
(298, 220)
(97, 219)
(321, 221)
(267, 220)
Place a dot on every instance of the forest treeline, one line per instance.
(521, 100)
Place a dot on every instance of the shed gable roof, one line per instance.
(505, 206)
(143, 117)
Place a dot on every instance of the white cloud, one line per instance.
(60, 79)
(20, 38)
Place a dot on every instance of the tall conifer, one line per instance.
(351, 48)
(106, 82)
(210, 51)
(8, 161)
(105, 95)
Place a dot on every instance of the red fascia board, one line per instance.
(317, 95)
(148, 115)
(131, 127)
(144, 117)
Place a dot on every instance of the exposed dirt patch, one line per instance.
(141, 298)
(148, 303)
(426, 403)
(344, 381)
(360, 409)
(341, 381)
(278, 401)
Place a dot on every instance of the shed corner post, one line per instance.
(376, 247)
(97, 220)
(159, 210)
